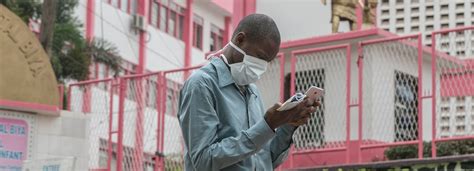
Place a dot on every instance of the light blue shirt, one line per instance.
(224, 129)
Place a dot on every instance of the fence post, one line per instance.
(111, 113)
(139, 93)
(61, 96)
(164, 88)
(420, 97)
(433, 94)
(69, 97)
(348, 101)
(122, 88)
(360, 63)
(159, 131)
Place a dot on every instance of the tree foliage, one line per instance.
(71, 53)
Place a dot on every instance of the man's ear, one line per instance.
(239, 38)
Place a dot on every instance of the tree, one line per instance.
(47, 24)
(70, 54)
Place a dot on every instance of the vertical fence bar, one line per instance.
(420, 97)
(68, 103)
(162, 118)
(282, 77)
(111, 113)
(159, 131)
(86, 98)
(433, 94)
(292, 91)
(348, 101)
(360, 63)
(122, 88)
(61, 96)
(138, 81)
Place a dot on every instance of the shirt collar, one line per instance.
(223, 72)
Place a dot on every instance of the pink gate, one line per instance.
(317, 67)
(97, 98)
(453, 84)
(390, 93)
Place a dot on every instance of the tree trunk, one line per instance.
(47, 25)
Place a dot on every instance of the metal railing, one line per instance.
(379, 95)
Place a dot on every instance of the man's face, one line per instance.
(266, 49)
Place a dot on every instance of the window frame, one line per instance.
(166, 10)
(198, 22)
(217, 38)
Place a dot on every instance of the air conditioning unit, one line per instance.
(139, 22)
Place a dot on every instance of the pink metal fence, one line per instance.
(134, 124)
(453, 84)
(133, 120)
(102, 128)
(317, 67)
(390, 75)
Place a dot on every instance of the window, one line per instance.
(128, 6)
(445, 7)
(445, 17)
(133, 6)
(154, 14)
(124, 5)
(406, 107)
(303, 80)
(114, 3)
(168, 17)
(399, 11)
(197, 29)
(172, 23)
(217, 38)
(163, 15)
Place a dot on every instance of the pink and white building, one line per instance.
(382, 90)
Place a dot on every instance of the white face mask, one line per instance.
(249, 70)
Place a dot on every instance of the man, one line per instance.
(221, 112)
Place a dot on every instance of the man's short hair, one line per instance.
(258, 27)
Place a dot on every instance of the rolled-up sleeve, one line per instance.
(280, 144)
(199, 123)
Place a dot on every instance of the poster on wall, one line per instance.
(13, 143)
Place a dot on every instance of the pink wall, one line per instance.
(228, 5)
(459, 84)
(330, 158)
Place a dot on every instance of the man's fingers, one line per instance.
(275, 106)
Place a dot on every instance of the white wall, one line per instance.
(163, 51)
(114, 25)
(310, 16)
(380, 65)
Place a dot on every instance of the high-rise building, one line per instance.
(414, 16)
(425, 16)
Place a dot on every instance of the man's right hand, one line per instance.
(299, 114)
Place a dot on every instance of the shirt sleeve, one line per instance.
(280, 144)
(199, 123)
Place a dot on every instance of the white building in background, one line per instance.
(113, 21)
(424, 16)
(165, 49)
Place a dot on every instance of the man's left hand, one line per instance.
(306, 115)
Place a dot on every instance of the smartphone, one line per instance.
(314, 93)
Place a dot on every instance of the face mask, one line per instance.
(249, 70)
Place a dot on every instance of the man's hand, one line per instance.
(297, 116)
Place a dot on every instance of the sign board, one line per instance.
(13, 143)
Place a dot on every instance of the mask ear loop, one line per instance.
(237, 48)
(216, 53)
